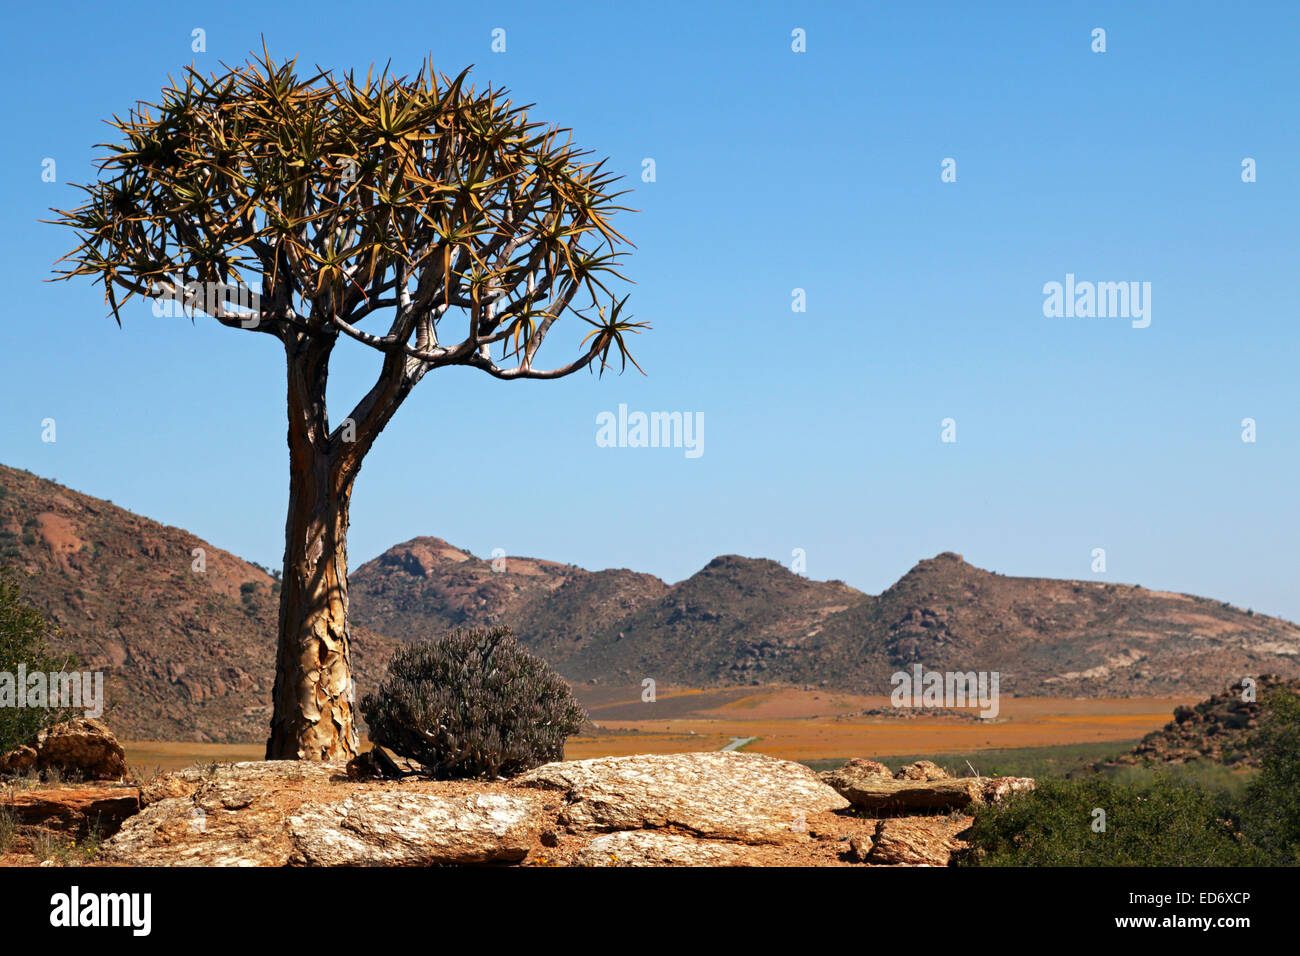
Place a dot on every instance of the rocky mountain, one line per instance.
(749, 621)
(187, 654)
(425, 586)
(736, 621)
(1050, 637)
(714, 627)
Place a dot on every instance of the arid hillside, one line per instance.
(1050, 637)
(752, 621)
(425, 586)
(186, 654)
(1222, 729)
(721, 623)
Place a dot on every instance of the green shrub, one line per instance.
(23, 633)
(472, 704)
(1164, 822)
(1228, 783)
(1271, 811)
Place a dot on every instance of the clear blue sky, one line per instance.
(775, 171)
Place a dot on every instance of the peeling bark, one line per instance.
(314, 712)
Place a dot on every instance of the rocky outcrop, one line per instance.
(73, 809)
(284, 813)
(855, 774)
(82, 748)
(921, 787)
(725, 795)
(1219, 729)
(696, 809)
(251, 776)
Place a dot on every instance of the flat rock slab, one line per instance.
(282, 813)
(656, 848)
(745, 797)
(72, 808)
(888, 795)
(254, 774)
(413, 829)
(178, 832)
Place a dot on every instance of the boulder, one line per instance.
(922, 770)
(860, 849)
(855, 769)
(82, 748)
(997, 789)
(916, 842)
(901, 795)
(374, 764)
(19, 760)
(726, 795)
(178, 832)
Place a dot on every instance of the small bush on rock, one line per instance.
(472, 704)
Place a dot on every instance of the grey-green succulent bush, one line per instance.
(472, 704)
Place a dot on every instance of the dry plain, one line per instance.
(791, 723)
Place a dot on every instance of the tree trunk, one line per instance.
(313, 716)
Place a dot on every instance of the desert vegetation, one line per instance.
(1174, 815)
(472, 704)
(24, 647)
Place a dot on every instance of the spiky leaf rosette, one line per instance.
(350, 197)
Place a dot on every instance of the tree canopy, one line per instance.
(349, 197)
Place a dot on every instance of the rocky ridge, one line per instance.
(1219, 729)
(189, 655)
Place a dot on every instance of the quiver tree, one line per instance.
(415, 217)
